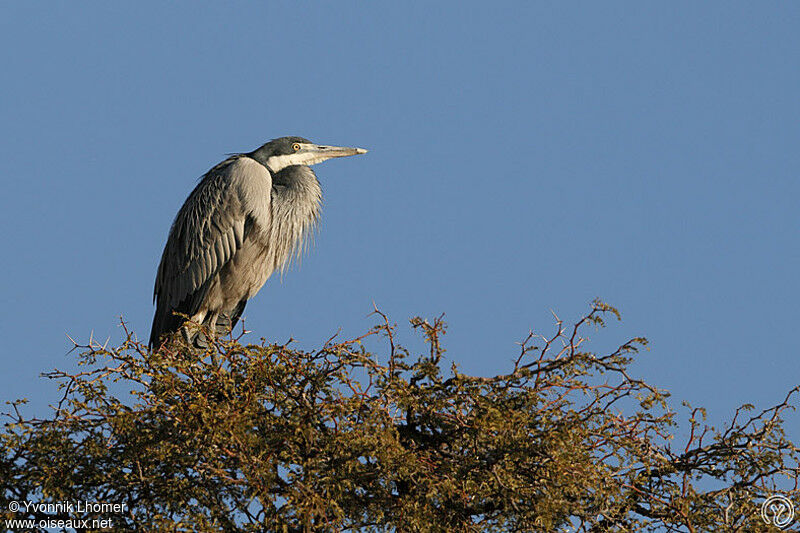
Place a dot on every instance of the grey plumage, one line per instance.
(249, 216)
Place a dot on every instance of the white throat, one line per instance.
(276, 163)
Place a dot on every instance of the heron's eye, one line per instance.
(295, 147)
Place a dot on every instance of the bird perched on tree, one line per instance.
(249, 216)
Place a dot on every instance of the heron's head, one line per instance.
(287, 151)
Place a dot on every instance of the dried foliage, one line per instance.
(266, 437)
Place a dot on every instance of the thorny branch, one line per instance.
(248, 437)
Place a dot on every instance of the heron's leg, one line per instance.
(200, 341)
(186, 335)
(203, 338)
(224, 324)
(195, 338)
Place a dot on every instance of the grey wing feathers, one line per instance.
(208, 230)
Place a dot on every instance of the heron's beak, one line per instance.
(328, 152)
(310, 154)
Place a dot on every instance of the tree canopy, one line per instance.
(254, 437)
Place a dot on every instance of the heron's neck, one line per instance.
(296, 205)
(297, 185)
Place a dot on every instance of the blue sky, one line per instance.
(524, 157)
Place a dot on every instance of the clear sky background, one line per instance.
(524, 157)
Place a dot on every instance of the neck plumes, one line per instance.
(296, 205)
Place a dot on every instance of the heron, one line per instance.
(249, 216)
